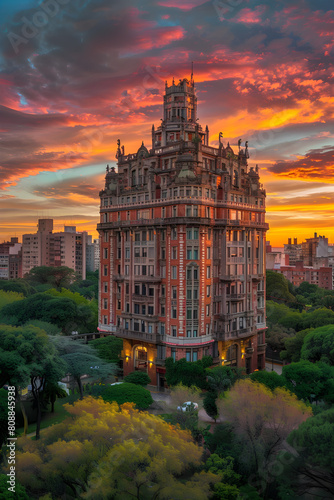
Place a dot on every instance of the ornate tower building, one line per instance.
(182, 238)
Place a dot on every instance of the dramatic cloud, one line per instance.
(316, 164)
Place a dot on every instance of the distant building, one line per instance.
(11, 259)
(45, 248)
(314, 248)
(322, 277)
(92, 254)
(275, 258)
(293, 250)
(182, 232)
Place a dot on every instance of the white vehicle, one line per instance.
(188, 406)
(117, 383)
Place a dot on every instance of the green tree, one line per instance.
(270, 379)
(20, 492)
(310, 381)
(52, 392)
(293, 346)
(210, 405)
(44, 307)
(9, 298)
(109, 348)
(49, 328)
(221, 378)
(81, 359)
(318, 345)
(277, 288)
(187, 373)
(227, 487)
(138, 378)
(27, 355)
(57, 277)
(314, 440)
(128, 393)
(19, 286)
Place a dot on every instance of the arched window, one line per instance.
(232, 355)
(236, 179)
(140, 358)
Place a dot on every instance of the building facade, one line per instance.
(182, 247)
(11, 259)
(322, 276)
(46, 248)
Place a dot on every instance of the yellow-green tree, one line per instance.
(262, 419)
(106, 451)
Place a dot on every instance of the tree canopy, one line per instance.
(57, 277)
(81, 359)
(318, 345)
(187, 373)
(310, 381)
(109, 452)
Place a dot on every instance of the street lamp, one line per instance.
(272, 359)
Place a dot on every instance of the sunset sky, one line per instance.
(76, 75)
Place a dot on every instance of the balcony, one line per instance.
(261, 348)
(230, 277)
(142, 298)
(188, 341)
(152, 338)
(235, 296)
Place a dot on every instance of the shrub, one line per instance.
(138, 378)
(128, 393)
(209, 404)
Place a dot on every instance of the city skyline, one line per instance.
(77, 76)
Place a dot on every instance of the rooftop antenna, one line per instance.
(192, 71)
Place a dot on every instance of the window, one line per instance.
(173, 352)
(163, 290)
(188, 355)
(195, 314)
(137, 236)
(174, 312)
(163, 311)
(136, 308)
(208, 253)
(188, 210)
(189, 253)
(151, 292)
(174, 272)
(106, 237)
(126, 268)
(194, 333)
(105, 303)
(143, 309)
(208, 290)
(195, 355)
(174, 211)
(137, 289)
(208, 271)
(174, 234)
(195, 234)
(207, 310)
(127, 252)
(174, 252)
(195, 253)
(150, 310)
(174, 292)
(105, 270)
(105, 287)
(163, 252)
(105, 320)
(173, 331)
(105, 253)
